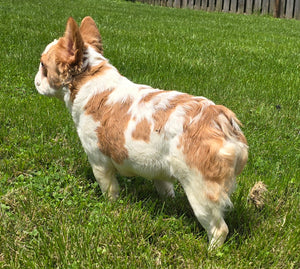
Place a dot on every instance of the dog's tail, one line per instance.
(214, 143)
(226, 150)
(227, 122)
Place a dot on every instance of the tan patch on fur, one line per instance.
(113, 122)
(202, 140)
(213, 191)
(149, 96)
(161, 116)
(142, 131)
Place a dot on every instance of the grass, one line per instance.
(52, 213)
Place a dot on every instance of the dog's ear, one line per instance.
(71, 45)
(90, 34)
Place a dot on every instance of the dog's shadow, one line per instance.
(139, 190)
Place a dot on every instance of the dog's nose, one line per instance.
(37, 81)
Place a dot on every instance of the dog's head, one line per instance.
(66, 58)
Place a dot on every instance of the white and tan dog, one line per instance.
(137, 130)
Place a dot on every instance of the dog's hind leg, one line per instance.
(107, 181)
(164, 188)
(209, 213)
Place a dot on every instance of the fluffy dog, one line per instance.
(136, 130)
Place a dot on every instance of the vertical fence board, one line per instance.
(204, 5)
(282, 8)
(197, 4)
(297, 10)
(170, 3)
(226, 5)
(211, 5)
(184, 3)
(289, 9)
(241, 6)
(233, 5)
(257, 6)
(176, 3)
(276, 12)
(265, 7)
(271, 7)
(249, 7)
(219, 5)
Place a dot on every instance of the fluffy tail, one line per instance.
(236, 142)
(232, 154)
(215, 145)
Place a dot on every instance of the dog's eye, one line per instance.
(44, 69)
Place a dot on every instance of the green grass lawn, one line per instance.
(52, 213)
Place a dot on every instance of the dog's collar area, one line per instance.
(74, 73)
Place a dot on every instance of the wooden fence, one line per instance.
(278, 8)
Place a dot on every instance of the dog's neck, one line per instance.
(99, 75)
(91, 59)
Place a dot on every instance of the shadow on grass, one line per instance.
(242, 219)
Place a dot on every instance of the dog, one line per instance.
(136, 130)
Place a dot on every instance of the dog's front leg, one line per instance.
(107, 181)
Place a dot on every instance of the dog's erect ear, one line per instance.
(90, 34)
(71, 45)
